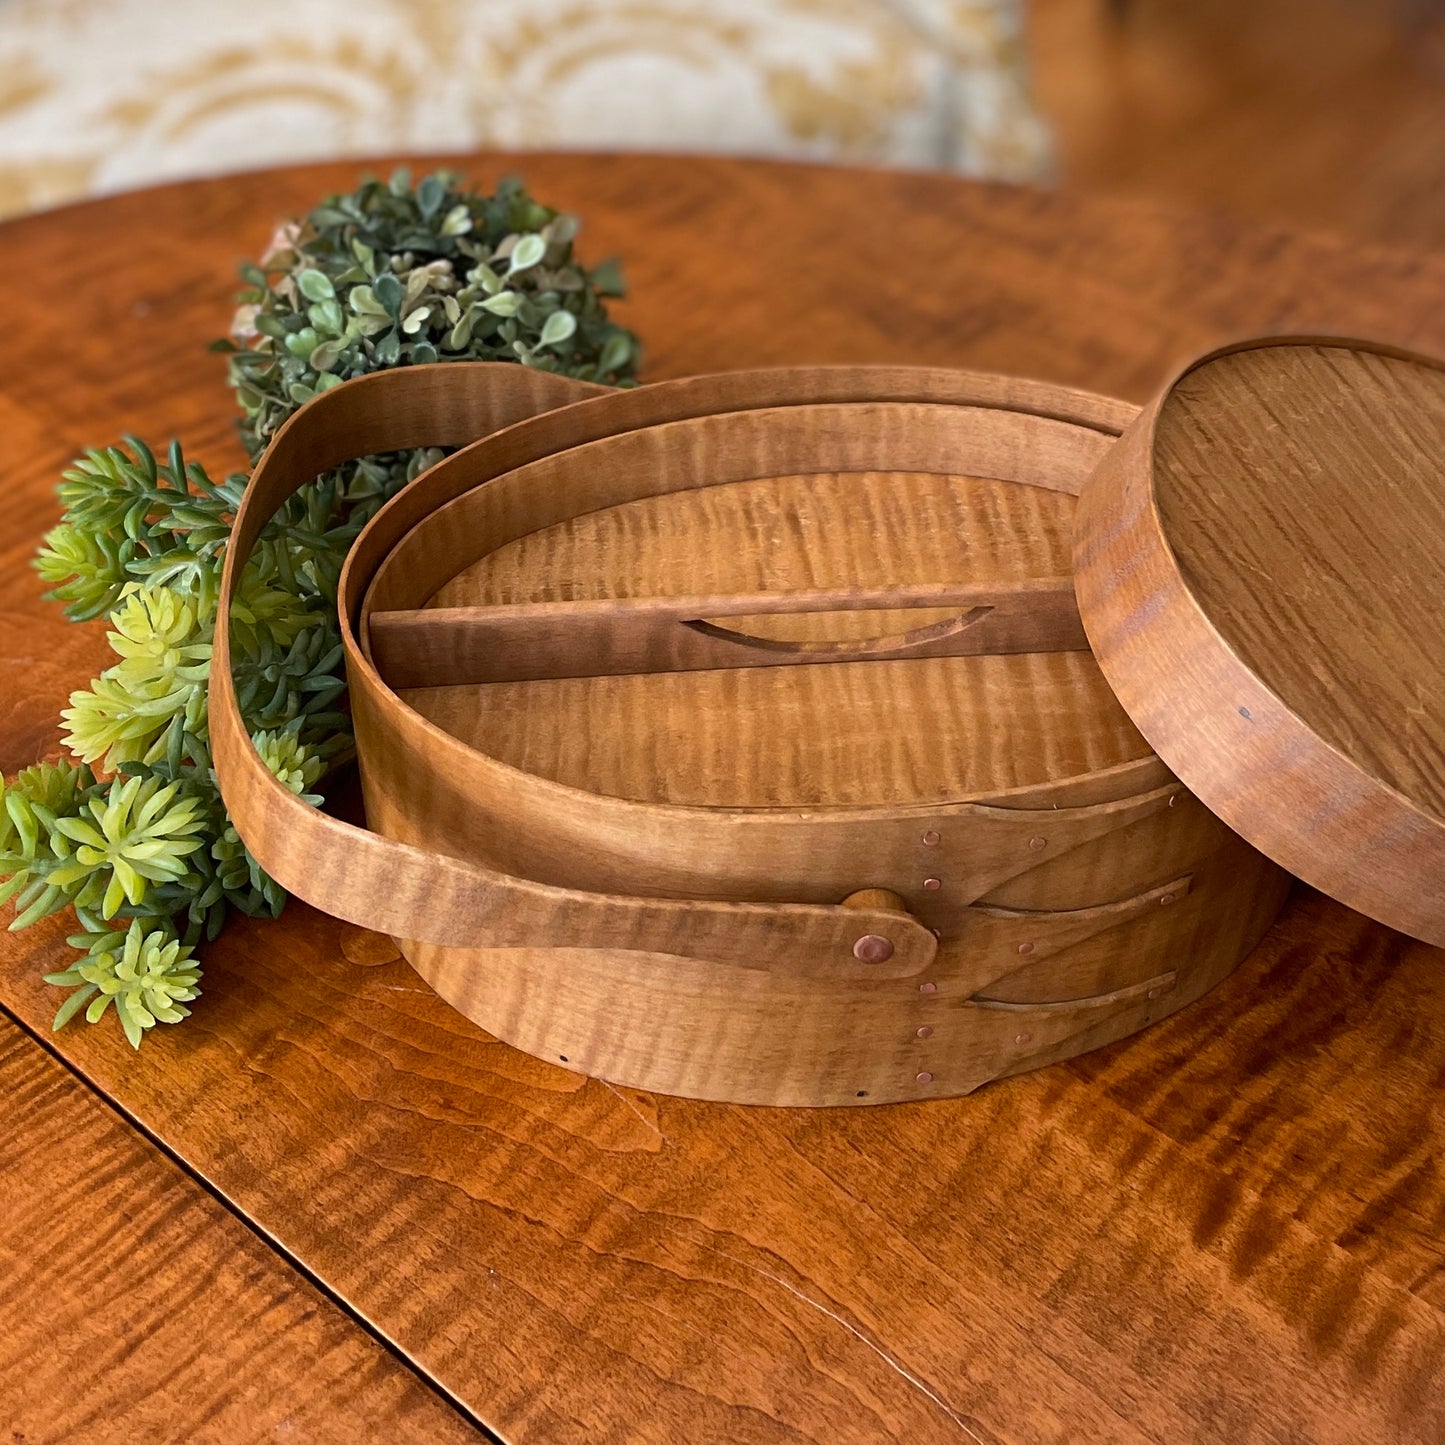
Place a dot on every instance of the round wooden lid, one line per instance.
(1260, 566)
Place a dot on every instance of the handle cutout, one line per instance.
(845, 649)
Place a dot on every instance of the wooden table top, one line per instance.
(377, 1222)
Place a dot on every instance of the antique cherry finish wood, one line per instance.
(1225, 1229)
(1262, 569)
(725, 950)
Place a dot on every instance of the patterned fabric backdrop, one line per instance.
(99, 95)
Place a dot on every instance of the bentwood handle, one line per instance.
(413, 893)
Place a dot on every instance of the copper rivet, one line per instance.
(1167, 898)
(1026, 948)
(937, 933)
(1036, 843)
(1153, 993)
(932, 883)
(873, 948)
(1022, 1038)
(930, 839)
(1173, 798)
(925, 1032)
(927, 988)
(924, 1078)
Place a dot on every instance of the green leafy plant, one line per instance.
(130, 831)
(392, 275)
(149, 976)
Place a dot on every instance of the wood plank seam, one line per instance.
(268, 1240)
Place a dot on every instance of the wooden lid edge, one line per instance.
(1227, 735)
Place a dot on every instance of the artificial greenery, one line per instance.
(149, 976)
(130, 831)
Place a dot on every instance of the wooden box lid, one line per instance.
(1260, 567)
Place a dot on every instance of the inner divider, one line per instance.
(514, 642)
(707, 451)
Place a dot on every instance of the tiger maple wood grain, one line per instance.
(942, 745)
(133, 1306)
(1259, 573)
(1224, 1230)
(700, 948)
(897, 733)
(1303, 492)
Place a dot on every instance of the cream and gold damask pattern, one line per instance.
(99, 95)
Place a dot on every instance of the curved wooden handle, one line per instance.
(410, 892)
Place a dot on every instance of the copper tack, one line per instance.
(873, 948)
(933, 884)
(924, 1078)
(1037, 843)
(925, 1032)
(927, 988)
(1026, 948)
(930, 838)
(1022, 1038)
(1167, 899)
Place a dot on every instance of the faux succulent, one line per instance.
(130, 831)
(149, 976)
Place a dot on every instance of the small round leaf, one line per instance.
(560, 327)
(315, 286)
(528, 251)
